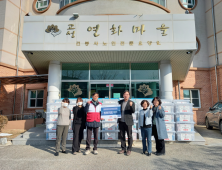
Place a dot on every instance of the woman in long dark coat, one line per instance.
(78, 127)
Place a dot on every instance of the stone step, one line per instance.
(36, 136)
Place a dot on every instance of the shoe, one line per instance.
(143, 153)
(160, 154)
(56, 154)
(74, 153)
(79, 151)
(148, 154)
(95, 152)
(121, 152)
(155, 153)
(64, 152)
(128, 153)
(87, 152)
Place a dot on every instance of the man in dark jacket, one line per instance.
(126, 122)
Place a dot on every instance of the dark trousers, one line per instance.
(77, 137)
(124, 128)
(61, 133)
(160, 143)
(89, 135)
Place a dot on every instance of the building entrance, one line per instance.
(109, 90)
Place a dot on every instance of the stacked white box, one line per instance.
(53, 107)
(170, 126)
(185, 126)
(51, 126)
(109, 135)
(168, 107)
(183, 107)
(50, 135)
(169, 117)
(171, 136)
(109, 125)
(184, 117)
(185, 136)
(184, 120)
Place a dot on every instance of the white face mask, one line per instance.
(65, 104)
(79, 103)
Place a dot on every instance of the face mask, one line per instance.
(79, 103)
(65, 104)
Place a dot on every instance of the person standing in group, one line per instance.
(145, 124)
(63, 123)
(159, 127)
(126, 122)
(78, 126)
(93, 117)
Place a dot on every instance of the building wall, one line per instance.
(197, 79)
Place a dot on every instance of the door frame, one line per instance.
(108, 82)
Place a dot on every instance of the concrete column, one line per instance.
(54, 81)
(166, 80)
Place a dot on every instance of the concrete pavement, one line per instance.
(178, 156)
(212, 137)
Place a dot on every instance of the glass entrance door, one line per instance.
(102, 89)
(109, 90)
(118, 89)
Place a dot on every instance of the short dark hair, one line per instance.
(143, 101)
(95, 93)
(126, 91)
(157, 98)
(66, 100)
(79, 98)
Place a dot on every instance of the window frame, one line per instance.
(42, 6)
(192, 97)
(159, 3)
(90, 81)
(194, 5)
(29, 98)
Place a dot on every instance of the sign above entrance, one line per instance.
(104, 33)
(107, 85)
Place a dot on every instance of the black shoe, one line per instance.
(56, 154)
(143, 153)
(64, 152)
(148, 154)
(155, 153)
(160, 154)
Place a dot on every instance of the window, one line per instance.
(35, 98)
(193, 96)
(109, 71)
(144, 89)
(41, 5)
(66, 2)
(161, 2)
(74, 89)
(188, 3)
(144, 71)
(75, 71)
